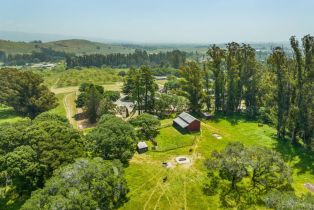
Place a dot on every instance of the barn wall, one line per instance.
(195, 126)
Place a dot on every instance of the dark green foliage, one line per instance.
(113, 138)
(85, 184)
(81, 100)
(243, 175)
(140, 86)
(173, 85)
(95, 101)
(166, 104)
(112, 95)
(32, 150)
(192, 85)
(122, 73)
(23, 169)
(23, 90)
(174, 58)
(11, 136)
(165, 71)
(55, 142)
(106, 106)
(92, 104)
(84, 87)
(51, 117)
(216, 54)
(147, 125)
(43, 55)
(278, 60)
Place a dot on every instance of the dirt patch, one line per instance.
(81, 120)
(309, 186)
(217, 136)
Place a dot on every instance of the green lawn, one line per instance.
(183, 188)
(169, 138)
(60, 109)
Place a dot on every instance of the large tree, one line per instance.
(25, 92)
(85, 184)
(113, 138)
(95, 101)
(249, 76)
(140, 86)
(233, 77)
(242, 175)
(216, 58)
(31, 151)
(279, 66)
(147, 125)
(192, 85)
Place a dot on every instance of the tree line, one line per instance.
(233, 81)
(174, 59)
(43, 55)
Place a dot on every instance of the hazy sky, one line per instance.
(162, 21)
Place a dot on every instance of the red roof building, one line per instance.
(187, 122)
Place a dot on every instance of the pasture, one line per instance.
(183, 188)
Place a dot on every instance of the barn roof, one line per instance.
(141, 145)
(184, 119)
(181, 122)
(187, 117)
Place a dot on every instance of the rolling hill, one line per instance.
(77, 46)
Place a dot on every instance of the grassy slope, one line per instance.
(80, 46)
(183, 189)
(74, 77)
(16, 47)
(76, 46)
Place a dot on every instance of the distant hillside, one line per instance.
(10, 47)
(81, 46)
(77, 46)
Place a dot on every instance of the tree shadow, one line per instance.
(289, 152)
(180, 130)
(7, 113)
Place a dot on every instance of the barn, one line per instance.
(186, 122)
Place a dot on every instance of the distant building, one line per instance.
(186, 122)
(44, 65)
(142, 147)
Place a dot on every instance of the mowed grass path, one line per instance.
(183, 188)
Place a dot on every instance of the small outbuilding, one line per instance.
(186, 122)
(142, 147)
(207, 115)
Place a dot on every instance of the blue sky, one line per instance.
(162, 21)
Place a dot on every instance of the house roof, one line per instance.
(184, 119)
(141, 145)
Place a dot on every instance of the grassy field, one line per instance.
(168, 139)
(183, 188)
(75, 77)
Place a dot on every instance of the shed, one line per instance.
(207, 115)
(142, 147)
(186, 122)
